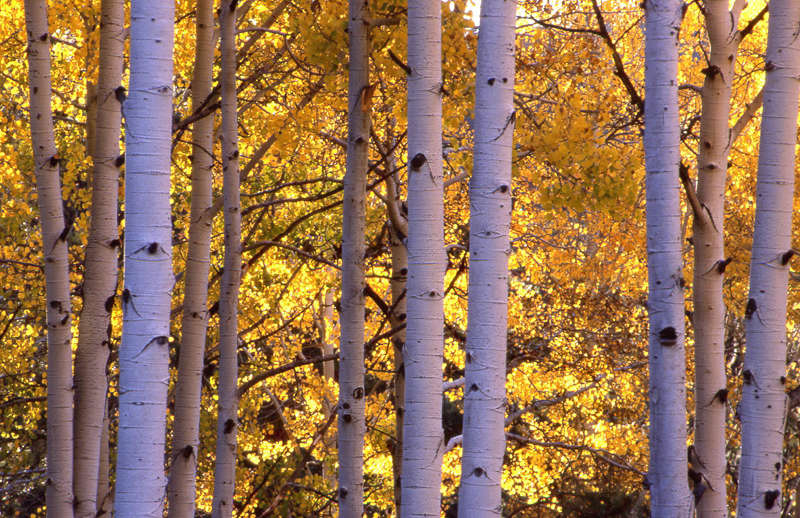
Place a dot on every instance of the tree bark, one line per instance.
(148, 279)
(100, 278)
(188, 387)
(763, 406)
(351, 419)
(709, 260)
(227, 419)
(490, 219)
(398, 229)
(667, 474)
(325, 323)
(423, 439)
(55, 227)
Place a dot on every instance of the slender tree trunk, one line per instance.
(144, 353)
(188, 387)
(763, 406)
(55, 227)
(103, 485)
(490, 219)
(423, 439)
(351, 421)
(324, 322)
(227, 419)
(398, 230)
(667, 474)
(709, 262)
(100, 279)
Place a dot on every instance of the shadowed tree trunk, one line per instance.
(351, 421)
(100, 278)
(55, 224)
(188, 387)
(227, 419)
(709, 259)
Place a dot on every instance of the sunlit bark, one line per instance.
(422, 428)
(490, 218)
(148, 278)
(667, 470)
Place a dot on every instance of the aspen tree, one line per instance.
(423, 439)
(100, 277)
(188, 387)
(763, 406)
(667, 472)
(55, 224)
(227, 419)
(351, 419)
(490, 218)
(148, 279)
(325, 324)
(709, 258)
(398, 230)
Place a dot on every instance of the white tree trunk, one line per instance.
(55, 227)
(667, 473)
(144, 353)
(709, 262)
(490, 218)
(763, 406)
(188, 387)
(227, 419)
(422, 428)
(351, 422)
(100, 279)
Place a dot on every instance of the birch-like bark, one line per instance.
(55, 226)
(764, 401)
(667, 473)
(100, 279)
(490, 219)
(227, 418)
(423, 439)
(351, 419)
(188, 387)
(148, 279)
(709, 262)
(398, 230)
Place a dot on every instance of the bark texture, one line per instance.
(55, 227)
(100, 279)
(351, 421)
(764, 401)
(148, 279)
(667, 473)
(490, 218)
(227, 418)
(709, 259)
(188, 387)
(398, 230)
(422, 428)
